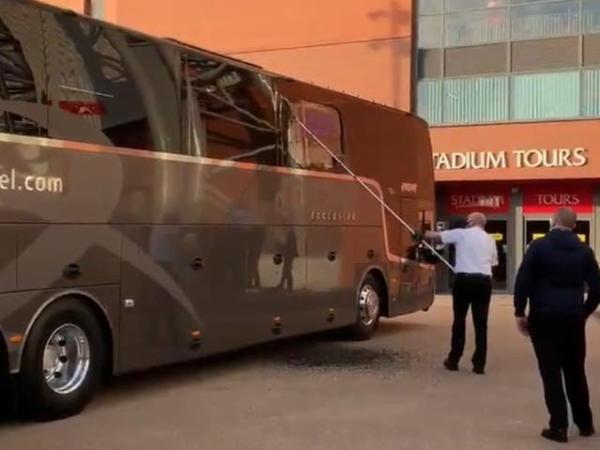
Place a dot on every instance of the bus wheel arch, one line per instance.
(371, 303)
(378, 274)
(65, 357)
(7, 392)
(4, 362)
(99, 313)
(107, 331)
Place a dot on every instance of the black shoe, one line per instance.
(479, 370)
(451, 366)
(555, 434)
(587, 432)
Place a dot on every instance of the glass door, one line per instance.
(583, 230)
(498, 229)
(536, 228)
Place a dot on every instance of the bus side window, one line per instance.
(107, 86)
(22, 76)
(229, 112)
(324, 123)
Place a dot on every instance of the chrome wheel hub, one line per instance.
(368, 302)
(66, 359)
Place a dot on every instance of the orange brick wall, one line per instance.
(359, 46)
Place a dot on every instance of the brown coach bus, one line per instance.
(160, 203)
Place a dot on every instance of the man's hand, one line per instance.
(522, 325)
(417, 236)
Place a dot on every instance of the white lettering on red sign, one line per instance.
(558, 199)
(477, 201)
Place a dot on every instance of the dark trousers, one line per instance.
(560, 350)
(474, 292)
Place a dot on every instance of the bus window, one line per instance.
(324, 122)
(22, 77)
(230, 112)
(107, 86)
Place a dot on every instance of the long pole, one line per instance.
(373, 194)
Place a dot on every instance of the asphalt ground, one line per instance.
(318, 392)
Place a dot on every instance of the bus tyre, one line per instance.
(62, 363)
(368, 309)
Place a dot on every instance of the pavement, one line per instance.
(319, 393)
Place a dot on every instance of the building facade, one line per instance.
(511, 89)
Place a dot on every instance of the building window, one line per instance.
(591, 16)
(482, 61)
(431, 35)
(429, 100)
(481, 99)
(545, 96)
(476, 27)
(465, 5)
(431, 7)
(591, 92)
(542, 20)
(523, 2)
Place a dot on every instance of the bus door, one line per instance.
(409, 268)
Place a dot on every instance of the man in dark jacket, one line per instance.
(553, 277)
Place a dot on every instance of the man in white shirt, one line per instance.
(476, 254)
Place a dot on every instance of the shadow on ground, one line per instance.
(323, 352)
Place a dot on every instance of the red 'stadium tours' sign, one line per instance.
(490, 201)
(546, 199)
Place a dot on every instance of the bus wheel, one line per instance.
(63, 361)
(369, 308)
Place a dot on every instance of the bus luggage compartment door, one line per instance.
(52, 256)
(330, 277)
(8, 258)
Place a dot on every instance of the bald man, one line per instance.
(552, 279)
(476, 253)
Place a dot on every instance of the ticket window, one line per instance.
(583, 231)
(497, 229)
(538, 228)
